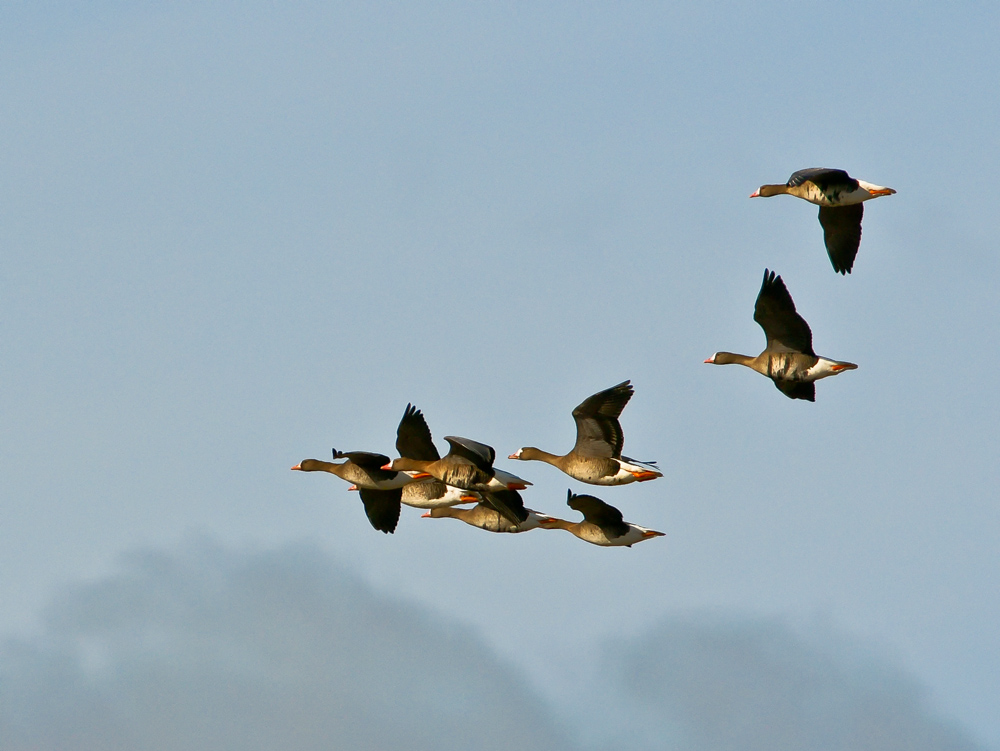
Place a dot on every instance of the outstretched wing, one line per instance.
(508, 504)
(598, 432)
(826, 179)
(797, 389)
(364, 459)
(369, 462)
(599, 513)
(382, 508)
(478, 453)
(842, 234)
(786, 330)
(413, 437)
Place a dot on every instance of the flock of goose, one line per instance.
(788, 359)
(422, 478)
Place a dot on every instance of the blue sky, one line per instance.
(237, 236)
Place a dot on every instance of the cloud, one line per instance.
(209, 648)
(755, 685)
(214, 649)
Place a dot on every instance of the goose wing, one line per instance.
(786, 330)
(842, 234)
(413, 437)
(797, 389)
(599, 513)
(370, 462)
(508, 504)
(479, 454)
(827, 180)
(598, 432)
(382, 508)
(364, 459)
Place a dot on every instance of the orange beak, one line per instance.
(755, 194)
(298, 467)
(387, 466)
(650, 533)
(425, 515)
(353, 487)
(884, 192)
(468, 499)
(420, 475)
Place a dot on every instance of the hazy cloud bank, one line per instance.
(724, 684)
(273, 650)
(215, 649)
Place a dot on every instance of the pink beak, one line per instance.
(755, 194)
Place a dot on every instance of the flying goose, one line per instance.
(839, 197)
(788, 359)
(469, 465)
(602, 523)
(413, 441)
(597, 456)
(488, 518)
(380, 489)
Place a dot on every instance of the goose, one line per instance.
(469, 465)
(788, 359)
(430, 494)
(413, 441)
(597, 458)
(839, 197)
(602, 523)
(380, 490)
(488, 518)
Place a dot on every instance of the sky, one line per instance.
(237, 236)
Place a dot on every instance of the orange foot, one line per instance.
(645, 475)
